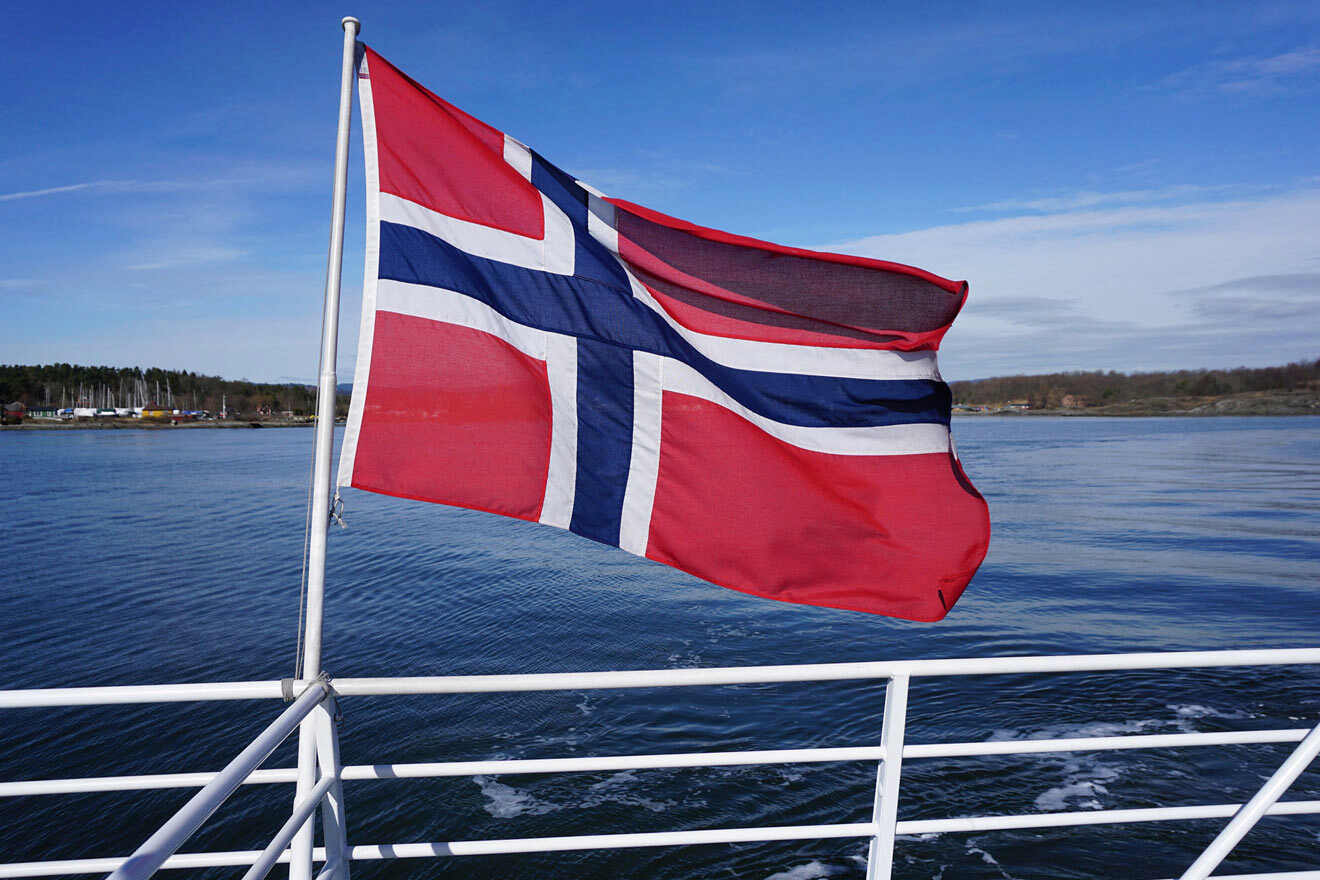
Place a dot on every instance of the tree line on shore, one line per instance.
(1099, 387)
(61, 385)
(71, 385)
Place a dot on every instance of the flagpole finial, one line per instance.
(349, 21)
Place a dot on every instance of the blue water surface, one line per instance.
(148, 556)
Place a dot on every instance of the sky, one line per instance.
(1124, 186)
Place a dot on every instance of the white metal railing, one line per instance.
(314, 709)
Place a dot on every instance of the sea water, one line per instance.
(174, 555)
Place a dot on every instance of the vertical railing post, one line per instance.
(1249, 814)
(300, 863)
(300, 859)
(880, 858)
(334, 825)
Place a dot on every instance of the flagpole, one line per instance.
(300, 865)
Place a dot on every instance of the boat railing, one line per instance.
(312, 704)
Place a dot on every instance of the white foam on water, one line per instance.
(1184, 714)
(789, 775)
(1082, 788)
(505, 801)
(614, 781)
(1085, 793)
(974, 849)
(619, 789)
(1070, 731)
(809, 871)
(1195, 710)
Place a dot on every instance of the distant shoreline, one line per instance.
(1249, 403)
(1120, 411)
(1135, 414)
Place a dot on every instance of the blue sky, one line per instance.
(1124, 186)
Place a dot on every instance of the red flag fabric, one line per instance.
(767, 418)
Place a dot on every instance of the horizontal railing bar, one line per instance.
(143, 693)
(234, 858)
(1101, 743)
(152, 782)
(255, 690)
(623, 762)
(372, 852)
(1094, 817)
(1284, 875)
(239, 858)
(453, 768)
(607, 841)
(677, 838)
(797, 832)
(571, 681)
(427, 770)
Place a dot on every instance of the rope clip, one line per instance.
(337, 511)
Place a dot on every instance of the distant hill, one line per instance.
(69, 384)
(1109, 389)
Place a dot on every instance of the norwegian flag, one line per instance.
(767, 418)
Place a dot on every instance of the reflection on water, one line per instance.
(157, 556)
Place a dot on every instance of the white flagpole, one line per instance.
(300, 865)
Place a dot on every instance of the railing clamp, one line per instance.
(286, 687)
(332, 695)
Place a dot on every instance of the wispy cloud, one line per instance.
(1092, 199)
(1047, 313)
(812, 54)
(626, 182)
(1261, 298)
(23, 288)
(1272, 75)
(1141, 167)
(57, 190)
(1250, 310)
(1304, 283)
(651, 172)
(180, 257)
(1206, 283)
(276, 176)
